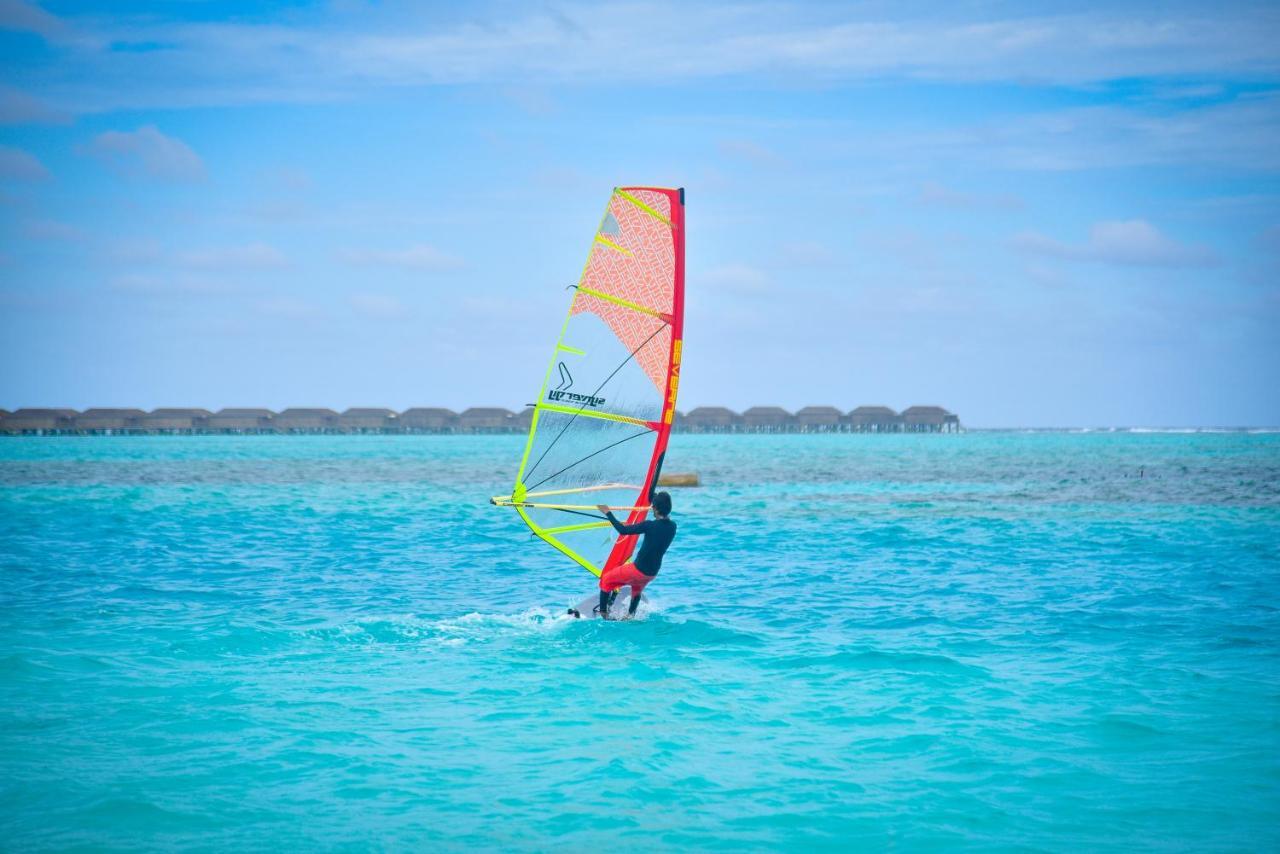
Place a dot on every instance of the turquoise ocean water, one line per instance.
(1046, 641)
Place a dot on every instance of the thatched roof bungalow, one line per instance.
(27, 420)
(103, 420)
(240, 421)
(485, 419)
(367, 420)
(766, 419)
(428, 418)
(175, 420)
(819, 418)
(709, 419)
(928, 419)
(305, 420)
(874, 419)
(523, 420)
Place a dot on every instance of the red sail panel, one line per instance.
(636, 262)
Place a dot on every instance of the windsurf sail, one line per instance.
(602, 419)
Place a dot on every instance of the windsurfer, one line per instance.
(658, 533)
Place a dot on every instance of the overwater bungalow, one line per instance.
(240, 421)
(38, 421)
(485, 419)
(174, 420)
(367, 420)
(819, 419)
(929, 419)
(766, 419)
(523, 420)
(874, 419)
(103, 420)
(428, 419)
(305, 420)
(709, 419)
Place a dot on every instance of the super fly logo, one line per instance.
(561, 393)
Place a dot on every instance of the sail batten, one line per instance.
(603, 417)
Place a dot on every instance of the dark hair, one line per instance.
(662, 503)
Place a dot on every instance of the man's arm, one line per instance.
(637, 528)
(657, 473)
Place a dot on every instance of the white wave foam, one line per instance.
(480, 626)
(474, 626)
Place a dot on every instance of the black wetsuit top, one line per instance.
(658, 534)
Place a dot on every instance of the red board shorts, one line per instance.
(625, 575)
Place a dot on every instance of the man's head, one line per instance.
(662, 503)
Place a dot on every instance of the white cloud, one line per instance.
(49, 229)
(1270, 239)
(147, 151)
(1193, 92)
(19, 165)
(507, 311)
(179, 285)
(288, 179)
(135, 251)
(290, 308)
(254, 256)
(378, 306)
(1132, 242)
(27, 18)
(938, 195)
(752, 152)
(150, 253)
(417, 257)
(908, 248)
(533, 100)
(739, 278)
(1239, 133)
(806, 253)
(19, 108)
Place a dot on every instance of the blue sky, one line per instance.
(1032, 214)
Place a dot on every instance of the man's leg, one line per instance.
(637, 587)
(610, 581)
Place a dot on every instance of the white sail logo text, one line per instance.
(561, 392)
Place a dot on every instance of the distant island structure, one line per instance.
(479, 419)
